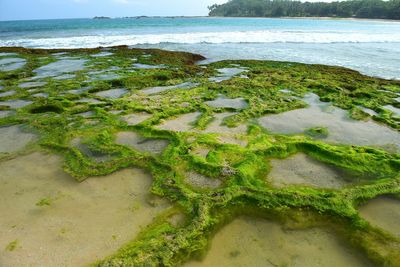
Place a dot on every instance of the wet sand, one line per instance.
(258, 243)
(56, 221)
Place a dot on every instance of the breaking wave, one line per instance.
(204, 37)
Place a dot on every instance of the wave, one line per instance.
(205, 37)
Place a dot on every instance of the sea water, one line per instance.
(369, 46)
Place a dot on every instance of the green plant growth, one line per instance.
(12, 245)
(43, 202)
(317, 132)
(77, 123)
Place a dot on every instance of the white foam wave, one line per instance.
(206, 37)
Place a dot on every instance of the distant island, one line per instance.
(368, 9)
(101, 17)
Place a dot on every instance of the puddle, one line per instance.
(183, 123)
(13, 139)
(8, 93)
(301, 169)
(65, 77)
(89, 101)
(223, 102)
(14, 104)
(201, 152)
(82, 223)
(79, 91)
(10, 64)
(159, 89)
(7, 54)
(342, 129)
(44, 95)
(396, 111)
(115, 112)
(60, 67)
(5, 113)
(105, 77)
(133, 119)
(95, 156)
(146, 66)
(257, 242)
(102, 75)
(368, 111)
(102, 54)
(226, 74)
(180, 124)
(287, 91)
(60, 54)
(198, 180)
(383, 212)
(113, 93)
(216, 125)
(142, 144)
(32, 84)
(86, 114)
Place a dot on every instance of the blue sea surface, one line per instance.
(369, 46)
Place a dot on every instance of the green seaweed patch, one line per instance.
(317, 132)
(43, 202)
(55, 108)
(12, 245)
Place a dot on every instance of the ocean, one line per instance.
(369, 46)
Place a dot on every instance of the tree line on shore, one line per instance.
(371, 9)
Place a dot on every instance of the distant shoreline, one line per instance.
(211, 17)
(314, 18)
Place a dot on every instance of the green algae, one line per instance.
(318, 132)
(12, 245)
(225, 178)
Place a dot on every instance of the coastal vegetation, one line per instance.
(367, 9)
(107, 109)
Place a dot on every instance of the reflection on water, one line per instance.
(342, 129)
(393, 109)
(10, 64)
(102, 54)
(146, 66)
(32, 84)
(7, 93)
(60, 67)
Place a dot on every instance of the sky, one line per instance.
(50, 9)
